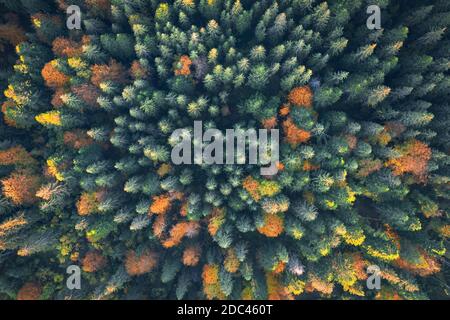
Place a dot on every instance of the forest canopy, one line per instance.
(86, 176)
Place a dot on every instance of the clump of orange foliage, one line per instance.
(53, 77)
(211, 285)
(279, 267)
(427, 265)
(270, 123)
(210, 274)
(359, 265)
(8, 106)
(301, 96)
(317, 284)
(413, 159)
(179, 231)
(273, 225)
(65, 47)
(21, 187)
(191, 256)
(231, 262)
(137, 264)
(161, 204)
(388, 293)
(12, 224)
(93, 261)
(185, 68)
(284, 110)
(16, 155)
(216, 220)
(46, 191)
(275, 290)
(89, 202)
(159, 225)
(113, 71)
(251, 186)
(293, 134)
(29, 291)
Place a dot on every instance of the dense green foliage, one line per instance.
(87, 178)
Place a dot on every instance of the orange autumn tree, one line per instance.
(414, 157)
(140, 263)
(113, 71)
(93, 261)
(231, 262)
(301, 97)
(12, 224)
(293, 134)
(66, 47)
(88, 202)
(9, 108)
(424, 266)
(251, 186)
(16, 155)
(315, 283)
(211, 284)
(273, 225)
(216, 220)
(29, 291)
(21, 187)
(161, 204)
(183, 66)
(270, 123)
(191, 255)
(159, 225)
(275, 290)
(179, 231)
(53, 77)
